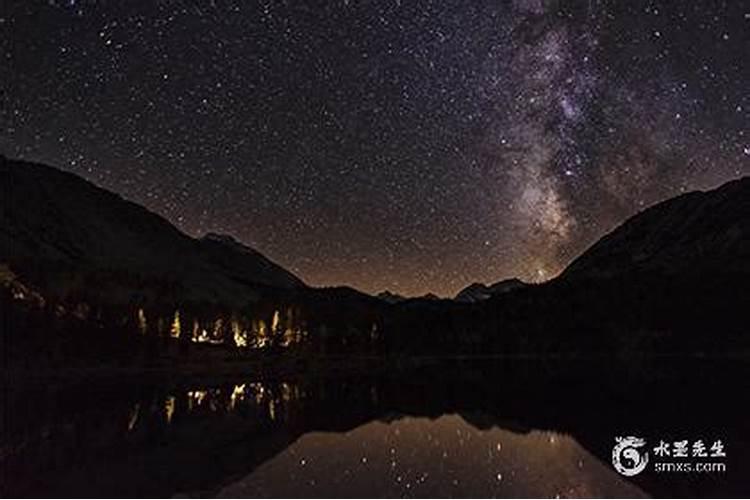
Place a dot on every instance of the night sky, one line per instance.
(413, 146)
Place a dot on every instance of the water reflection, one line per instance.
(472, 432)
(420, 457)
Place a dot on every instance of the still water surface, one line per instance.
(439, 433)
(421, 457)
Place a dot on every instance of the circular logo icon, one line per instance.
(626, 456)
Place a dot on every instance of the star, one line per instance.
(414, 146)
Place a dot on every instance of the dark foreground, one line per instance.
(471, 427)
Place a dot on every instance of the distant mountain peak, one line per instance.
(391, 298)
(477, 292)
(394, 298)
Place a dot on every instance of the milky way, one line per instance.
(409, 146)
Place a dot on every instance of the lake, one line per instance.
(478, 429)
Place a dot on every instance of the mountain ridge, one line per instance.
(56, 224)
(697, 230)
(477, 292)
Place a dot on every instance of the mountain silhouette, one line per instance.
(672, 279)
(477, 292)
(63, 234)
(390, 297)
(695, 232)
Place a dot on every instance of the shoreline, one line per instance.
(275, 366)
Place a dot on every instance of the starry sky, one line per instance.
(411, 457)
(414, 146)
